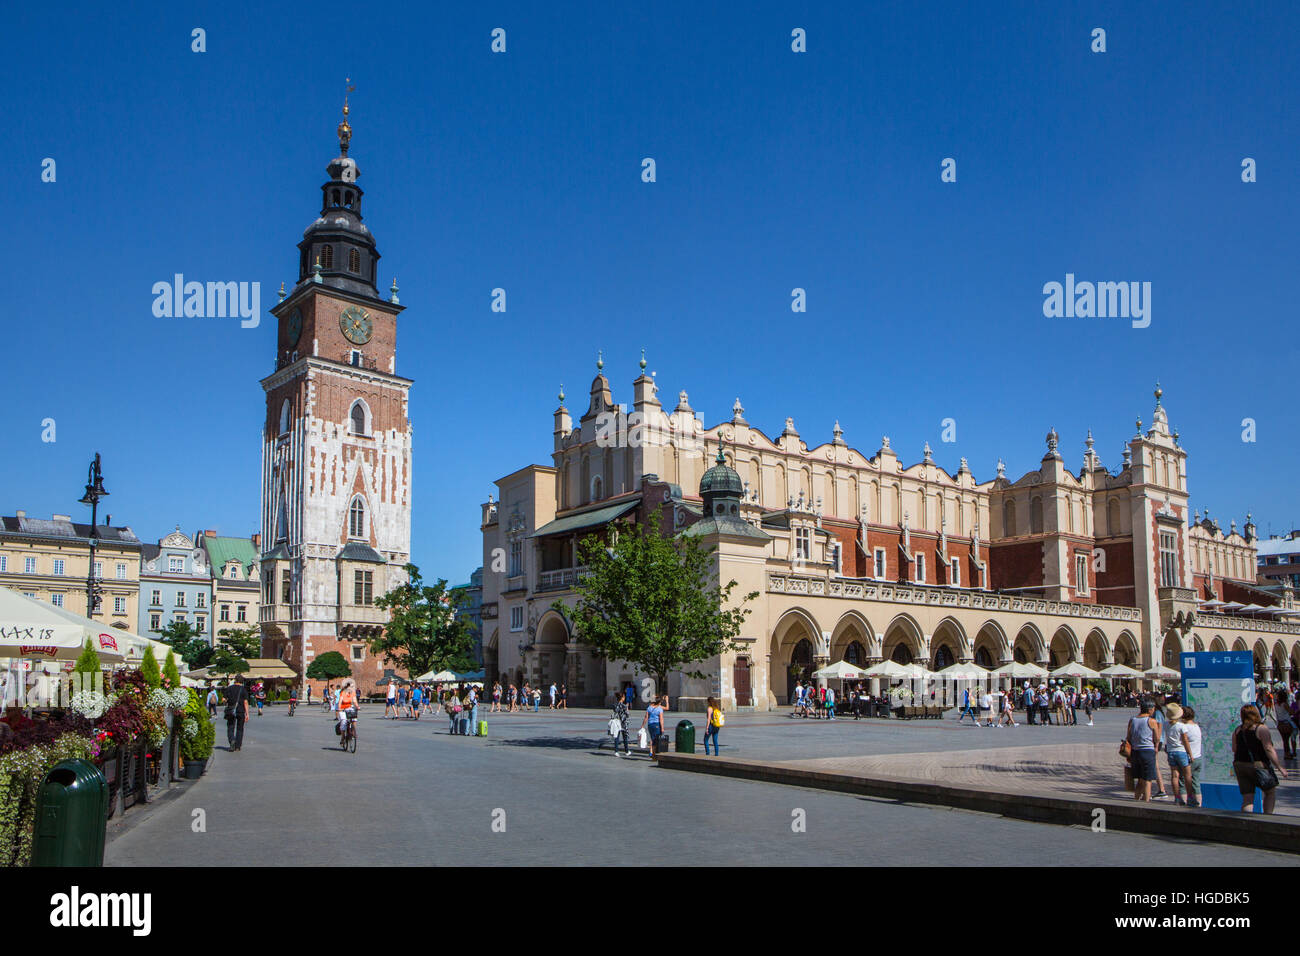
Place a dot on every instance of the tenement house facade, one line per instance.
(864, 558)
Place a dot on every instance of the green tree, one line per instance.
(188, 642)
(654, 601)
(88, 661)
(171, 671)
(243, 641)
(149, 668)
(426, 630)
(329, 666)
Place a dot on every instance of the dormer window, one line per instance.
(354, 262)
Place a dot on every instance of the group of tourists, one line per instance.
(406, 700)
(810, 701)
(651, 734)
(518, 699)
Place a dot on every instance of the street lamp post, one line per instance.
(94, 491)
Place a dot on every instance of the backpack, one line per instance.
(718, 719)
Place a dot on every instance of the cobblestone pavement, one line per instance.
(414, 795)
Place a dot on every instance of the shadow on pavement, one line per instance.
(555, 743)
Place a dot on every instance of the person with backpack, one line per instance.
(653, 724)
(236, 713)
(1142, 740)
(713, 721)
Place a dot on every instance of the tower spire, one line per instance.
(345, 131)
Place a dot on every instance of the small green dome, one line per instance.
(721, 479)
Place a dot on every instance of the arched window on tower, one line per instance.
(597, 489)
(354, 262)
(1036, 516)
(359, 418)
(357, 518)
(284, 418)
(334, 197)
(327, 256)
(1009, 519)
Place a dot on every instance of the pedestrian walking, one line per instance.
(1255, 761)
(511, 696)
(417, 700)
(1286, 723)
(1030, 705)
(713, 721)
(1006, 705)
(496, 698)
(1087, 705)
(453, 706)
(236, 713)
(653, 724)
(967, 709)
(1176, 753)
(986, 709)
(261, 697)
(564, 697)
(212, 702)
(537, 699)
(390, 701)
(620, 719)
(1143, 740)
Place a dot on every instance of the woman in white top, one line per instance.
(1189, 732)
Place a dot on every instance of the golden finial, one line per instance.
(345, 131)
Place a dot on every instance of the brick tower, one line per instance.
(336, 444)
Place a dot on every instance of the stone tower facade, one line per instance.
(336, 444)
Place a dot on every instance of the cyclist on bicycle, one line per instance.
(293, 698)
(347, 704)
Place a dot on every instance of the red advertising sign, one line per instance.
(28, 650)
(108, 641)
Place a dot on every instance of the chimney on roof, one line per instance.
(209, 533)
(20, 514)
(61, 517)
(108, 521)
(257, 542)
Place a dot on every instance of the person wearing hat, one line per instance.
(1176, 751)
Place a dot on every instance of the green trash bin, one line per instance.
(685, 737)
(71, 816)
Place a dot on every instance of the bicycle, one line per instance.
(293, 705)
(348, 739)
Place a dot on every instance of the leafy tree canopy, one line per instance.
(186, 640)
(427, 629)
(654, 600)
(329, 666)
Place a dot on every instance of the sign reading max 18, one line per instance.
(1216, 685)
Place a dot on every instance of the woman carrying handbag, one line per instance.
(1255, 761)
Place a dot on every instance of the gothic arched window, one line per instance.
(358, 419)
(327, 256)
(357, 518)
(354, 262)
(284, 418)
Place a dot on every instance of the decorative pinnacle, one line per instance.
(282, 292)
(642, 363)
(1159, 392)
(345, 131)
(561, 393)
(316, 271)
(721, 459)
(393, 292)
(600, 360)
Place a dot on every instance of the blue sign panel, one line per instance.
(1216, 685)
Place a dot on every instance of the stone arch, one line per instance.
(903, 641)
(1029, 646)
(1239, 645)
(1279, 661)
(948, 641)
(850, 628)
(1126, 650)
(1260, 654)
(1197, 644)
(991, 639)
(1063, 649)
(1294, 674)
(1216, 644)
(550, 647)
(1096, 650)
(793, 627)
(1171, 651)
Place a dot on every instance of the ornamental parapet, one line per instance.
(856, 589)
(1226, 622)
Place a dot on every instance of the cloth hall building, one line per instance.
(863, 557)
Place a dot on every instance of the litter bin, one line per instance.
(685, 737)
(71, 816)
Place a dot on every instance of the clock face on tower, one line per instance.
(356, 325)
(294, 326)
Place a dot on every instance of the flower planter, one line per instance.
(194, 769)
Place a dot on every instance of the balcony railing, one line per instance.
(864, 590)
(560, 579)
(1207, 621)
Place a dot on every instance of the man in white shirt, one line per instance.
(554, 693)
(391, 705)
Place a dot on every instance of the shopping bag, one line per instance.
(643, 739)
(614, 726)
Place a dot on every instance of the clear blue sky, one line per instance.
(775, 170)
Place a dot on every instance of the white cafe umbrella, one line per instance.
(1015, 670)
(962, 672)
(1160, 672)
(442, 676)
(889, 669)
(1120, 670)
(841, 670)
(1075, 669)
(33, 629)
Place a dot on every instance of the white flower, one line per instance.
(159, 698)
(89, 703)
(180, 698)
(190, 728)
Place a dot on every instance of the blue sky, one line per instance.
(775, 170)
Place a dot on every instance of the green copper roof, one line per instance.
(220, 550)
(587, 519)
